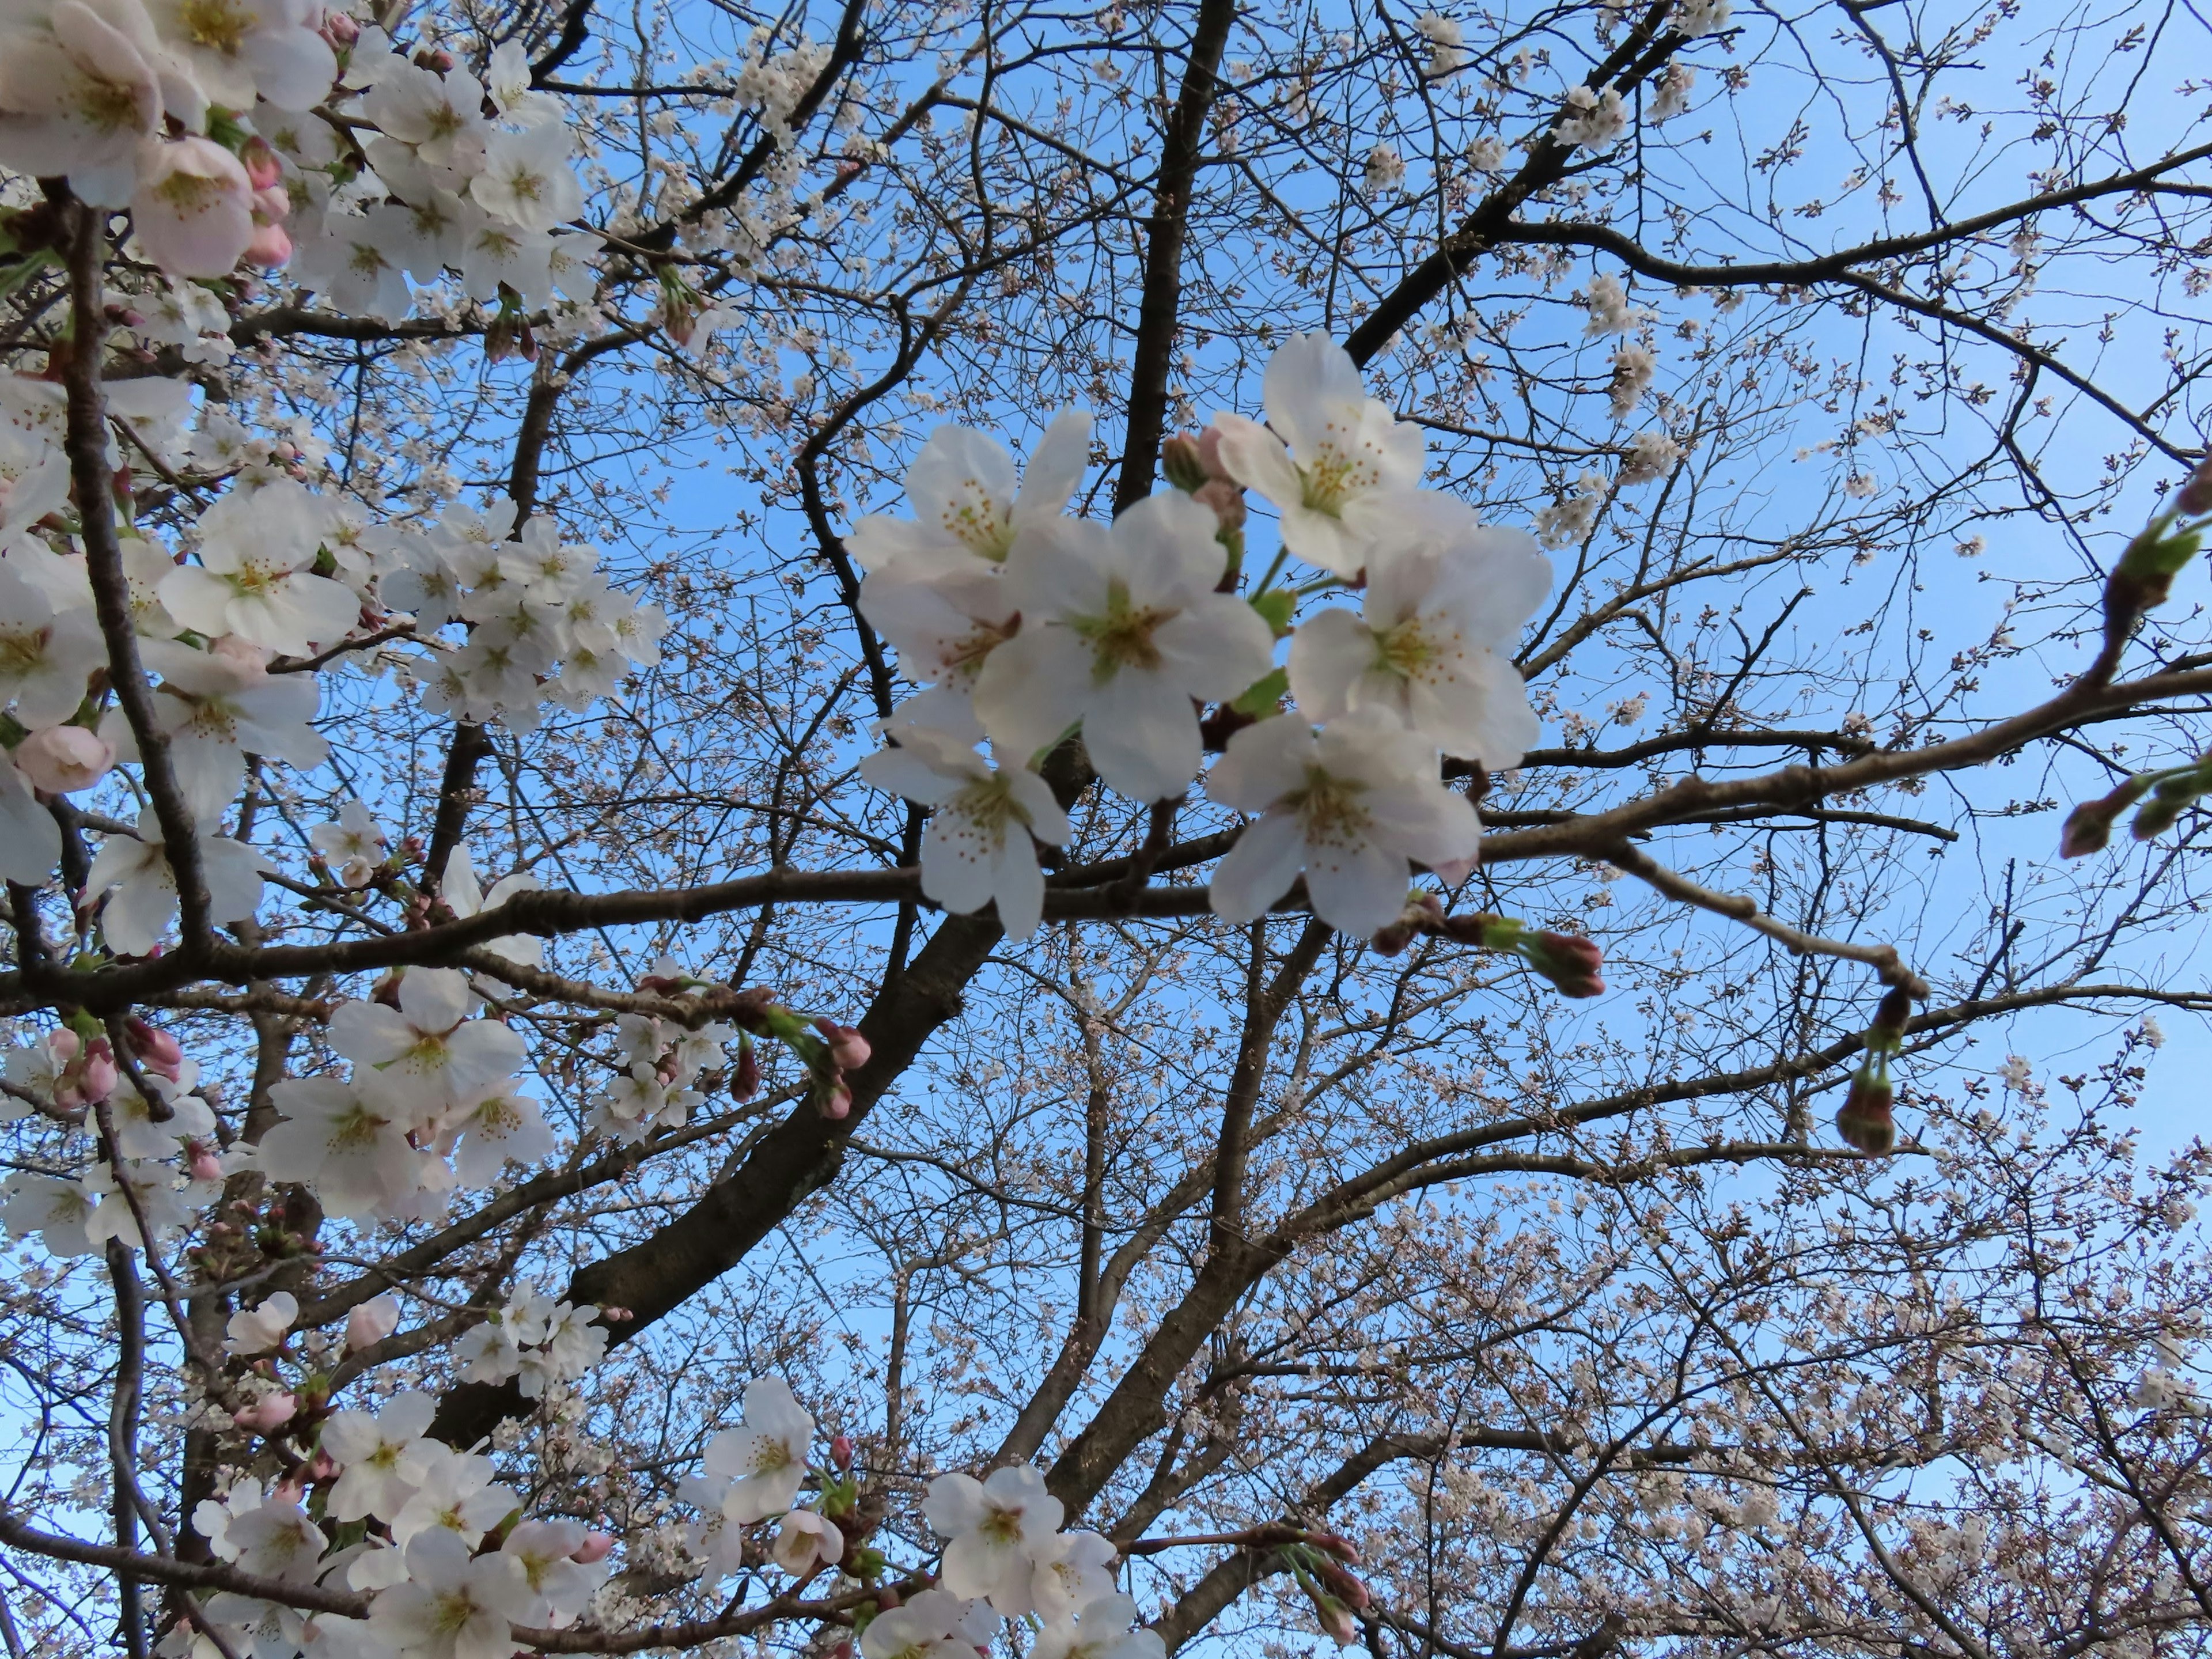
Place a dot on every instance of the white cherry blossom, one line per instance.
(452, 1606)
(44, 657)
(1445, 601)
(427, 1045)
(80, 95)
(355, 844)
(981, 844)
(193, 210)
(561, 1587)
(1104, 1632)
(805, 1541)
(965, 502)
(144, 896)
(526, 179)
(1070, 1573)
(764, 1457)
(382, 1458)
(1336, 459)
(254, 579)
(348, 1140)
(456, 1495)
(441, 116)
(1121, 629)
(259, 1328)
(57, 1210)
(1348, 807)
(996, 1528)
(236, 48)
(934, 1624)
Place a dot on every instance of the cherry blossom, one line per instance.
(346, 1140)
(1593, 120)
(439, 115)
(1121, 629)
(561, 1586)
(253, 579)
(805, 1543)
(980, 848)
(1104, 1632)
(79, 97)
(259, 1328)
(454, 1494)
(526, 179)
(1445, 601)
(64, 759)
(997, 1526)
(1334, 460)
(193, 208)
(382, 1458)
(355, 842)
(1070, 1573)
(143, 899)
(961, 489)
(44, 657)
(452, 1606)
(58, 1211)
(426, 1044)
(1349, 807)
(235, 49)
(764, 1458)
(932, 1625)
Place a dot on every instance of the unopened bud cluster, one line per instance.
(1571, 961)
(1867, 1120)
(2144, 576)
(2171, 791)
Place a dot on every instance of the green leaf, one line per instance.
(1276, 606)
(1262, 696)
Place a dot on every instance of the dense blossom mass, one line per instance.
(960, 1081)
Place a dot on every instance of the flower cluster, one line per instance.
(442, 1546)
(1035, 625)
(658, 1063)
(1006, 1557)
(535, 1339)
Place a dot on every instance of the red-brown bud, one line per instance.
(1867, 1120)
(2195, 500)
(746, 1083)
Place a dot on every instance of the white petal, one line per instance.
(1259, 868)
(1356, 886)
(1265, 762)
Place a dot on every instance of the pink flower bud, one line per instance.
(62, 759)
(849, 1049)
(340, 30)
(1336, 1620)
(746, 1083)
(596, 1546)
(270, 1413)
(96, 1078)
(202, 1163)
(1226, 498)
(1209, 454)
(157, 1051)
(1868, 1119)
(372, 1321)
(321, 1467)
(841, 1451)
(263, 169)
(272, 206)
(836, 1102)
(270, 247)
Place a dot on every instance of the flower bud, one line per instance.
(1179, 459)
(841, 1451)
(267, 1414)
(270, 246)
(340, 30)
(1866, 1120)
(836, 1102)
(848, 1049)
(2195, 500)
(1891, 1016)
(62, 759)
(321, 1467)
(1226, 497)
(1209, 454)
(746, 1083)
(157, 1051)
(1336, 1620)
(596, 1546)
(372, 1321)
(1569, 961)
(2088, 828)
(263, 169)
(202, 1163)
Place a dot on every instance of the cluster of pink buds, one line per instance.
(84, 1071)
(827, 1049)
(156, 1051)
(1319, 1563)
(272, 205)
